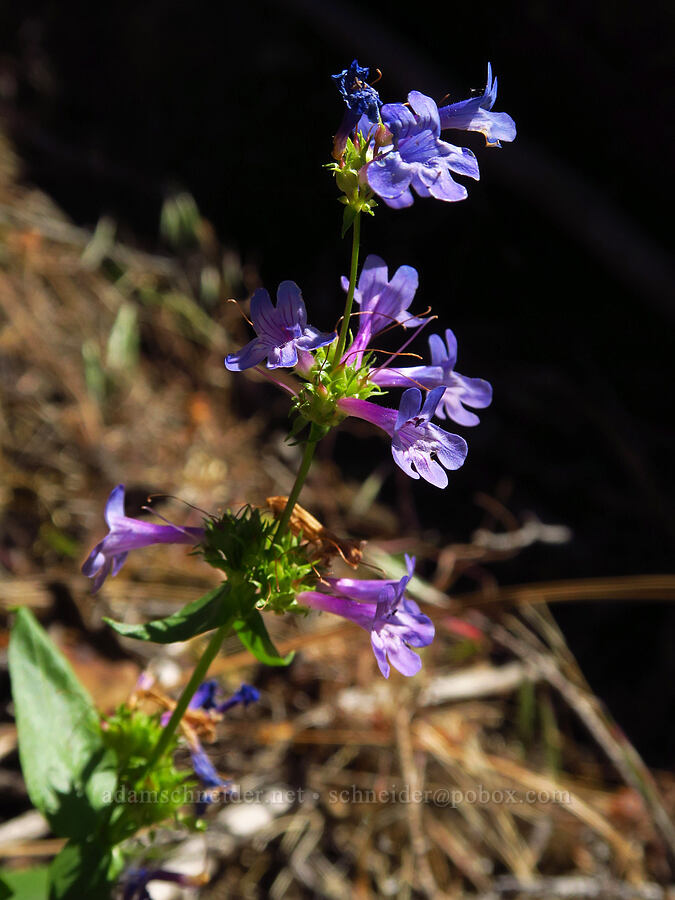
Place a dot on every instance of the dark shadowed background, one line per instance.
(554, 275)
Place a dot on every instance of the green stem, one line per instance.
(344, 330)
(307, 457)
(198, 675)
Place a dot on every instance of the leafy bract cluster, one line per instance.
(356, 194)
(268, 569)
(145, 797)
(316, 403)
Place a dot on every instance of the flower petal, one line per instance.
(389, 176)
(283, 357)
(429, 469)
(402, 657)
(399, 119)
(451, 449)
(426, 111)
(403, 201)
(432, 400)
(251, 355)
(263, 314)
(290, 305)
(380, 653)
(409, 407)
(313, 338)
(114, 508)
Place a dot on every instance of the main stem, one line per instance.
(196, 679)
(303, 471)
(344, 330)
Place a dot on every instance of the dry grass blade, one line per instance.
(434, 741)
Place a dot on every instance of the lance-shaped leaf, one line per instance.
(69, 774)
(87, 869)
(211, 611)
(253, 634)
(19, 883)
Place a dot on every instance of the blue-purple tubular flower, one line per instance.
(475, 114)
(206, 773)
(382, 302)
(282, 331)
(362, 102)
(135, 881)
(418, 158)
(459, 391)
(205, 697)
(109, 555)
(246, 695)
(394, 621)
(419, 447)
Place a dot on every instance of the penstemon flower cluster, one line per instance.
(274, 559)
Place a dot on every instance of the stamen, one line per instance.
(151, 497)
(411, 338)
(238, 305)
(182, 528)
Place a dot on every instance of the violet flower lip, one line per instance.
(395, 622)
(382, 301)
(281, 331)
(459, 391)
(475, 114)
(126, 533)
(419, 447)
(418, 157)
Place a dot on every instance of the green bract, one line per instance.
(317, 401)
(142, 798)
(356, 195)
(247, 548)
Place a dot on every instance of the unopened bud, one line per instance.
(383, 137)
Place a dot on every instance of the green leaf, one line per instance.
(252, 632)
(209, 612)
(24, 884)
(83, 870)
(348, 217)
(69, 774)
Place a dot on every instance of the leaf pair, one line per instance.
(216, 608)
(69, 774)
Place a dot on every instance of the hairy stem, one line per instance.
(344, 330)
(307, 457)
(196, 679)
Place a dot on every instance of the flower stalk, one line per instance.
(189, 690)
(300, 478)
(344, 330)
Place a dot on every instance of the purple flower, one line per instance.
(418, 447)
(475, 115)
(362, 102)
(125, 534)
(395, 622)
(458, 389)
(282, 331)
(368, 590)
(382, 302)
(204, 768)
(207, 774)
(205, 697)
(245, 695)
(135, 881)
(418, 158)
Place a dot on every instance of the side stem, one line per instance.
(196, 679)
(344, 330)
